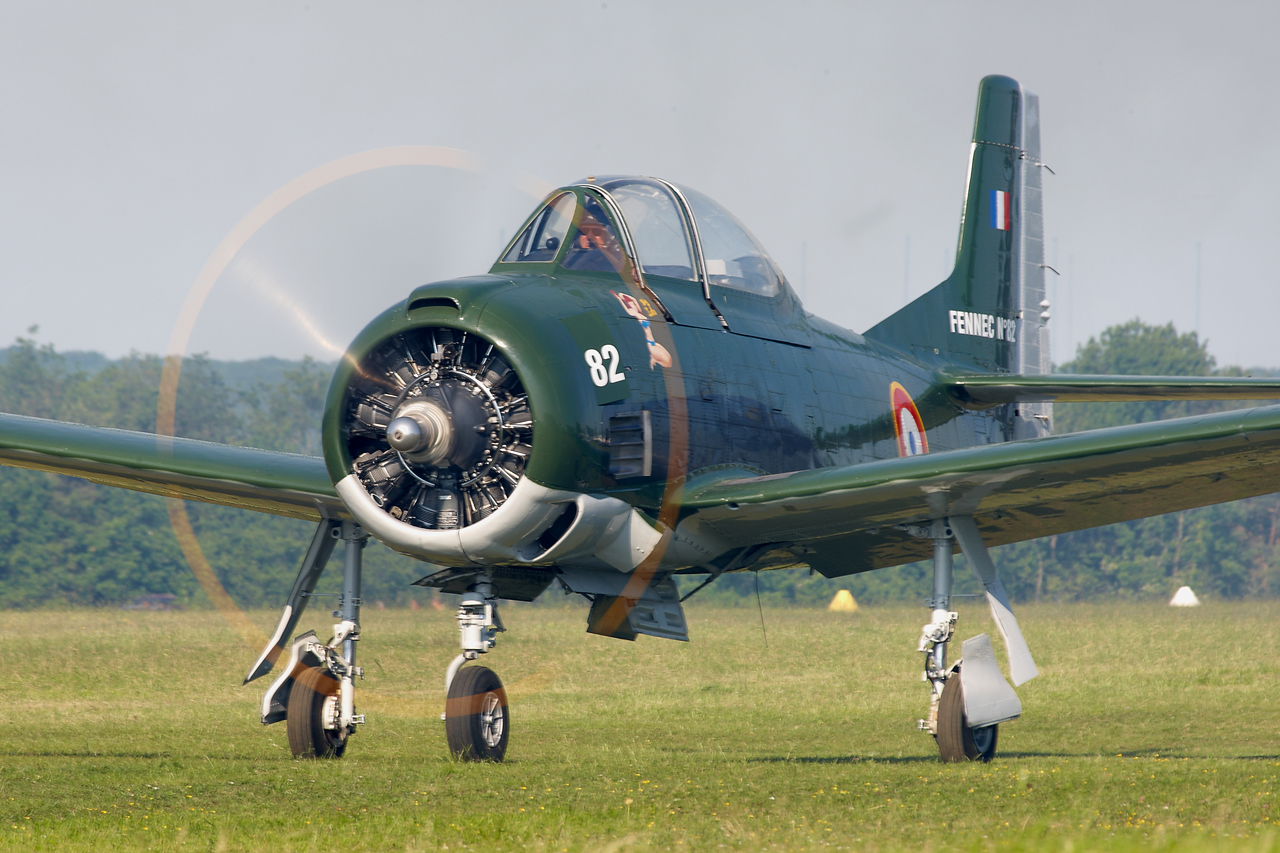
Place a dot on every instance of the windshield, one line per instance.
(540, 241)
(656, 227)
(733, 257)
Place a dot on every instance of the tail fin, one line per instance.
(988, 315)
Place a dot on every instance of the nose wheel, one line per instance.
(477, 722)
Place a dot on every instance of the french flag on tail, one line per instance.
(1001, 210)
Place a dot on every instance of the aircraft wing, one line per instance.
(984, 390)
(859, 517)
(278, 483)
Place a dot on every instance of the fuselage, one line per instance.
(639, 384)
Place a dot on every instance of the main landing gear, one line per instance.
(477, 722)
(970, 698)
(957, 740)
(315, 692)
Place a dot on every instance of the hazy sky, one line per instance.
(133, 138)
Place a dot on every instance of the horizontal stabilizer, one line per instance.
(980, 391)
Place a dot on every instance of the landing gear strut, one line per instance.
(477, 722)
(957, 740)
(322, 702)
(315, 692)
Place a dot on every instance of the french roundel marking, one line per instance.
(912, 440)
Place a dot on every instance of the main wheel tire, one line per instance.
(311, 699)
(957, 740)
(476, 720)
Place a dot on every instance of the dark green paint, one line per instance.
(263, 480)
(984, 270)
(592, 336)
(1020, 490)
(818, 401)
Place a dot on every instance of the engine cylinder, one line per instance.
(438, 426)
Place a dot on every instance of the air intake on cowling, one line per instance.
(439, 428)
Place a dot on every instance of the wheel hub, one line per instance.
(491, 719)
(329, 712)
(983, 738)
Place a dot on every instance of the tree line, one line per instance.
(64, 541)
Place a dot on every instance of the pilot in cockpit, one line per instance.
(594, 244)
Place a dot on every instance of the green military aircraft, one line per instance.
(634, 392)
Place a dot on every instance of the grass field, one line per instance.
(1148, 728)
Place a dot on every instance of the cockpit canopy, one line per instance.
(667, 230)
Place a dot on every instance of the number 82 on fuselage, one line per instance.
(602, 375)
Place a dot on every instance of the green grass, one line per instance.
(1148, 728)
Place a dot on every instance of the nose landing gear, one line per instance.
(477, 722)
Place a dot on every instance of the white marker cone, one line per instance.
(1184, 597)
(843, 603)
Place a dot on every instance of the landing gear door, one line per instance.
(988, 698)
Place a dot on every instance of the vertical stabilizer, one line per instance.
(988, 315)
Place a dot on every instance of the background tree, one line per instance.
(1137, 349)
(66, 541)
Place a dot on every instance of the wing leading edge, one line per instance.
(278, 483)
(859, 518)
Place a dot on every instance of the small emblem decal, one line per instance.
(907, 423)
(1001, 210)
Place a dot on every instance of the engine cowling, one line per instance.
(439, 430)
